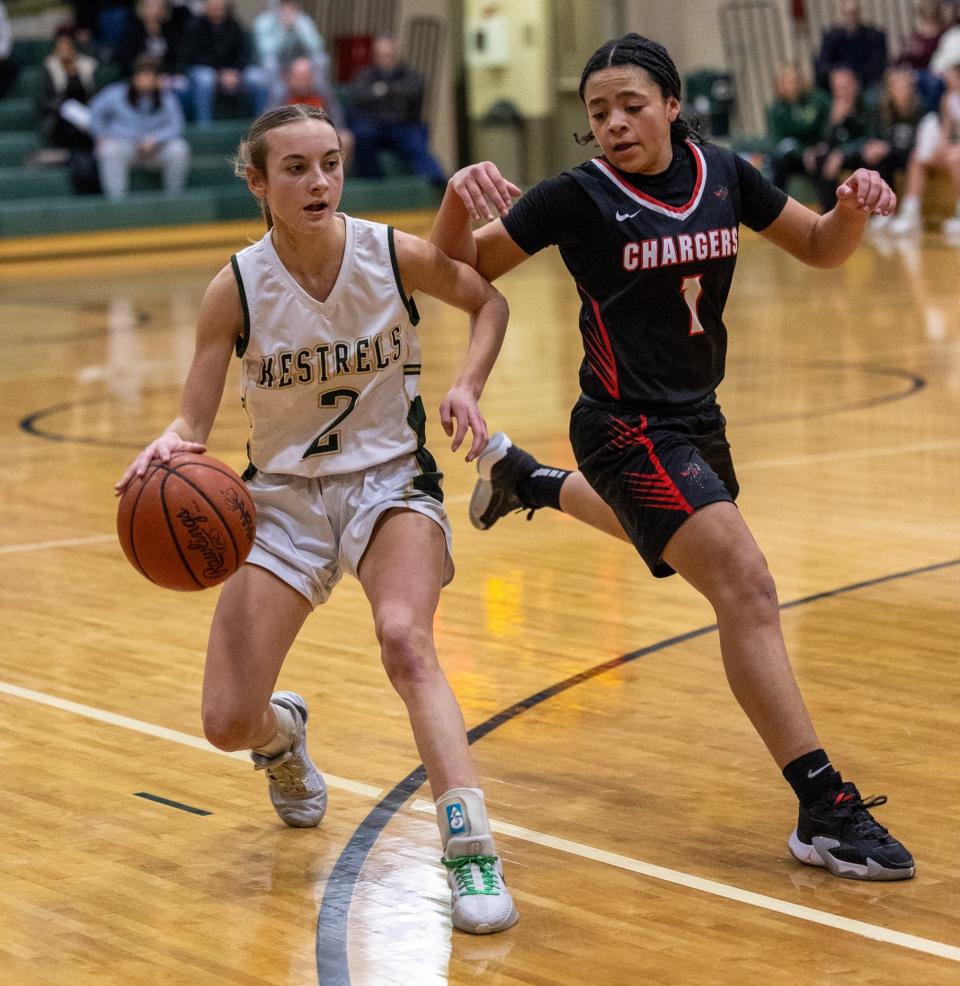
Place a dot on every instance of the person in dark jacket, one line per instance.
(894, 127)
(67, 85)
(852, 44)
(387, 99)
(218, 56)
(157, 32)
(846, 131)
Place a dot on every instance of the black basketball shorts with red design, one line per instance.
(654, 471)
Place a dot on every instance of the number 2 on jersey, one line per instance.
(692, 291)
(329, 440)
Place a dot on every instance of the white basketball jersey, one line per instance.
(329, 386)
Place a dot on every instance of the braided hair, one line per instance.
(634, 49)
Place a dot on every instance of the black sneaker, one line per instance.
(501, 467)
(842, 835)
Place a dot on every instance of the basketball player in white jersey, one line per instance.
(321, 313)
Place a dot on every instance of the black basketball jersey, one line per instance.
(653, 259)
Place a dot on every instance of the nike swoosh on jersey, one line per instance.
(627, 215)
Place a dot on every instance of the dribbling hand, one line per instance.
(483, 190)
(460, 406)
(169, 443)
(865, 191)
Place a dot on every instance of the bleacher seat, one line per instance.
(37, 199)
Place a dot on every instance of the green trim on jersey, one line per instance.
(244, 340)
(430, 479)
(408, 302)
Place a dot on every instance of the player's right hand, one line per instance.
(169, 443)
(483, 190)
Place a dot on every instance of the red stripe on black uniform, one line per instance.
(653, 259)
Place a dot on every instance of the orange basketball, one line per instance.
(187, 524)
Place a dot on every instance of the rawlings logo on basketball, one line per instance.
(234, 502)
(210, 544)
(187, 524)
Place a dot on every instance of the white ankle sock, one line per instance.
(284, 736)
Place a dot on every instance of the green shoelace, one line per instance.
(463, 874)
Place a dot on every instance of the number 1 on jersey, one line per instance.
(329, 440)
(692, 291)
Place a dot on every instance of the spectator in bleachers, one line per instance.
(284, 33)
(387, 100)
(795, 122)
(937, 148)
(138, 123)
(153, 30)
(156, 32)
(101, 24)
(919, 47)
(852, 44)
(301, 87)
(218, 56)
(67, 86)
(8, 67)
(894, 131)
(846, 132)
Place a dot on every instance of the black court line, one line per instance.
(29, 423)
(171, 804)
(915, 383)
(331, 941)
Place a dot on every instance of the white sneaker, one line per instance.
(297, 789)
(904, 224)
(481, 902)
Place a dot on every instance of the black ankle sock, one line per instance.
(812, 777)
(542, 487)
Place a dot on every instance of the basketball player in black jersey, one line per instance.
(649, 231)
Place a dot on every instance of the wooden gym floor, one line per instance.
(642, 824)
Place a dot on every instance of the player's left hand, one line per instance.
(458, 412)
(865, 191)
(483, 190)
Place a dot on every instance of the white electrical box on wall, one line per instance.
(487, 43)
(508, 56)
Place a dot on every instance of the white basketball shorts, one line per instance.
(311, 531)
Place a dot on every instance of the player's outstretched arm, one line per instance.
(425, 268)
(477, 192)
(219, 325)
(827, 240)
